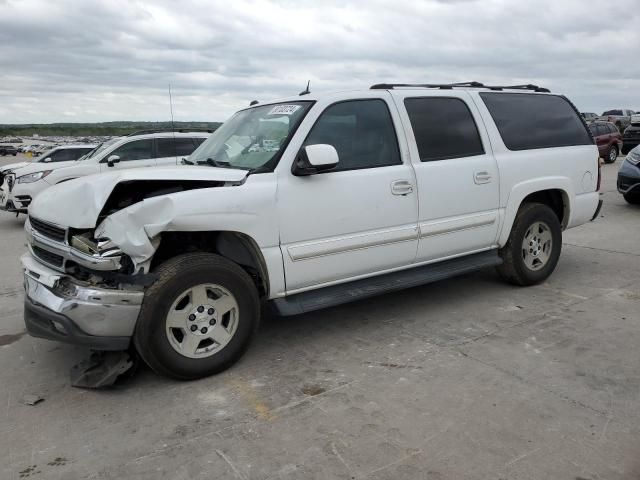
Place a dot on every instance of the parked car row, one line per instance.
(8, 150)
(626, 122)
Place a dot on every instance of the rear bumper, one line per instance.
(57, 308)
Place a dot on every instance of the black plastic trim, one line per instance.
(372, 286)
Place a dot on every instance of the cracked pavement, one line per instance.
(468, 378)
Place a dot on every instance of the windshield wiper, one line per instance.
(215, 163)
(187, 162)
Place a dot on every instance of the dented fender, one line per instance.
(246, 209)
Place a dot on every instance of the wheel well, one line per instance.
(235, 246)
(555, 199)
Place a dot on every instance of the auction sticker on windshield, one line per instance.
(283, 110)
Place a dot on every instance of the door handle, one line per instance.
(401, 187)
(481, 177)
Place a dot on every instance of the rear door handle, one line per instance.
(481, 177)
(401, 187)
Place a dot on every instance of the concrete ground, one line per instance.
(464, 379)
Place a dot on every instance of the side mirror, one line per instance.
(47, 160)
(112, 160)
(314, 159)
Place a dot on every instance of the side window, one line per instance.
(68, 154)
(444, 128)
(178, 147)
(612, 128)
(362, 133)
(529, 120)
(166, 147)
(136, 150)
(185, 146)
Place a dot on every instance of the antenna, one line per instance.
(306, 90)
(173, 128)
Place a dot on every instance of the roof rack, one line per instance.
(451, 86)
(169, 130)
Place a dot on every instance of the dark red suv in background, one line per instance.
(608, 138)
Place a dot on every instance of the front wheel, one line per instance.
(533, 249)
(633, 199)
(198, 318)
(612, 154)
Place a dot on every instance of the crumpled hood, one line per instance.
(34, 167)
(78, 203)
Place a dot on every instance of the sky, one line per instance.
(106, 60)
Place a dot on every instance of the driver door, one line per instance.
(360, 218)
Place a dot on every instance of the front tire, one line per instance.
(633, 199)
(533, 249)
(198, 318)
(612, 154)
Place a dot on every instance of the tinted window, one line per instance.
(362, 133)
(170, 147)
(612, 128)
(527, 120)
(66, 154)
(612, 112)
(443, 127)
(136, 150)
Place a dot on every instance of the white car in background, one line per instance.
(64, 153)
(141, 149)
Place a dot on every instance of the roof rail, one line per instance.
(451, 86)
(169, 130)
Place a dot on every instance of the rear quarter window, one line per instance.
(530, 121)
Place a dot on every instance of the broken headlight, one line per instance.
(102, 247)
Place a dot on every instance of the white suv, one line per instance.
(306, 203)
(56, 154)
(22, 185)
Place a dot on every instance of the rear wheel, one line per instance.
(612, 154)
(633, 199)
(533, 249)
(198, 318)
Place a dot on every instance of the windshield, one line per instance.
(99, 149)
(253, 138)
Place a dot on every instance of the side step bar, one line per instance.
(369, 287)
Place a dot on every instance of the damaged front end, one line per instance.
(79, 290)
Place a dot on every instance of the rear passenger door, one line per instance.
(457, 174)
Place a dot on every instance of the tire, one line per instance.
(515, 268)
(178, 352)
(612, 154)
(633, 199)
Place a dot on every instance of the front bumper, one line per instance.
(628, 178)
(629, 145)
(59, 308)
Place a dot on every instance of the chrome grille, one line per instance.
(48, 257)
(48, 230)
